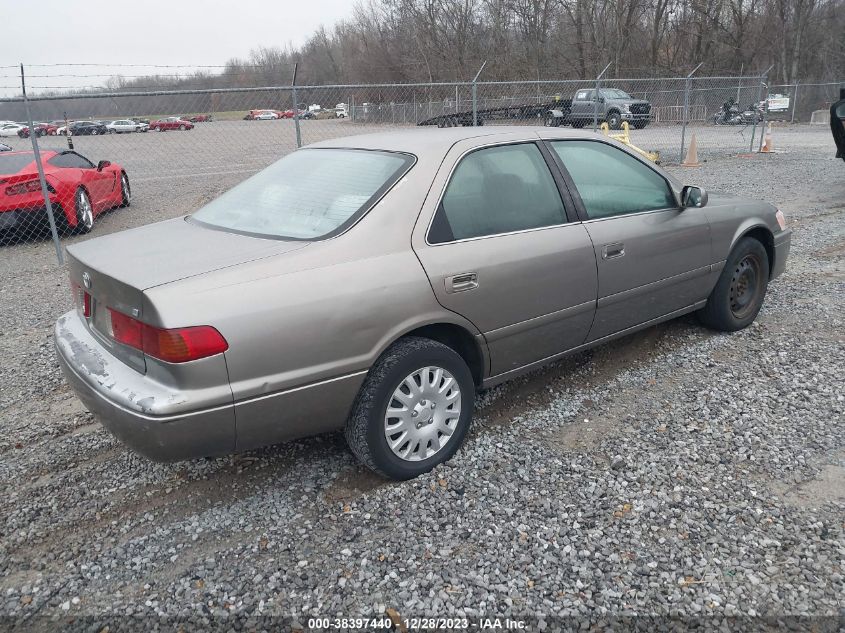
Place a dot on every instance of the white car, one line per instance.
(125, 125)
(11, 129)
(266, 116)
(341, 111)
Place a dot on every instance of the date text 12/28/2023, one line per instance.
(416, 624)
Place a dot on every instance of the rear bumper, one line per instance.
(130, 405)
(29, 217)
(782, 244)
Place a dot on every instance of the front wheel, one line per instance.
(739, 293)
(413, 410)
(125, 191)
(614, 120)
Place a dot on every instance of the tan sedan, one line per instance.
(376, 282)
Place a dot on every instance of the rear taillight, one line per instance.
(177, 345)
(30, 186)
(82, 300)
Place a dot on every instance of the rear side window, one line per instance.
(610, 182)
(498, 190)
(309, 194)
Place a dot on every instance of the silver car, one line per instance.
(374, 283)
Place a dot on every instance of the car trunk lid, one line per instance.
(115, 270)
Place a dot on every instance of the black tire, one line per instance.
(365, 428)
(94, 132)
(182, 127)
(159, 129)
(552, 121)
(125, 191)
(112, 131)
(84, 220)
(614, 120)
(739, 293)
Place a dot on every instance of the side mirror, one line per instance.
(693, 196)
(103, 164)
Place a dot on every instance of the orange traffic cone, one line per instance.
(691, 159)
(767, 141)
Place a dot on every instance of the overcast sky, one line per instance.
(198, 32)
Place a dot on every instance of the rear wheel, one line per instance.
(182, 127)
(84, 212)
(160, 129)
(739, 293)
(413, 410)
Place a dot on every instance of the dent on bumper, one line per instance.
(782, 244)
(150, 418)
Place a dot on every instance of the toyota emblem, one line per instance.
(86, 279)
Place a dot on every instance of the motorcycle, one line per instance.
(728, 114)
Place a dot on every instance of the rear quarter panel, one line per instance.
(317, 316)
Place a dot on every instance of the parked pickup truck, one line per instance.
(614, 106)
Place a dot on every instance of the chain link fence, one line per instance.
(68, 159)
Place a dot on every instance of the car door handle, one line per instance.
(612, 251)
(461, 282)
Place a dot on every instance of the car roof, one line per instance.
(425, 139)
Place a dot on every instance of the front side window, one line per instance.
(611, 182)
(498, 190)
(309, 194)
(71, 160)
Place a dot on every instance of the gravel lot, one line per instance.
(676, 472)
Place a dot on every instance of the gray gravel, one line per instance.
(676, 472)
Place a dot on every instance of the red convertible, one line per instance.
(79, 190)
(171, 123)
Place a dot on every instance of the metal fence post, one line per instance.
(475, 95)
(795, 100)
(763, 78)
(596, 98)
(33, 137)
(296, 107)
(687, 89)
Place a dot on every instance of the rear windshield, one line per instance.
(309, 194)
(12, 164)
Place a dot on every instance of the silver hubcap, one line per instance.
(124, 187)
(422, 414)
(86, 213)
